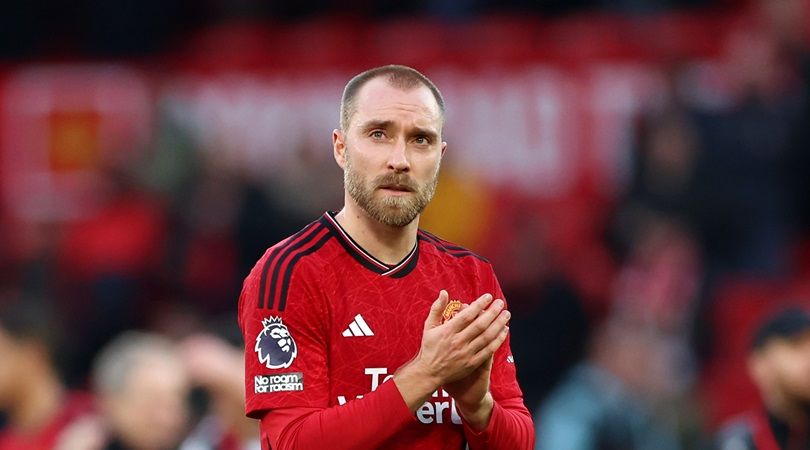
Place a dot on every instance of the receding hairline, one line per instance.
(398, 76)
(119, 359)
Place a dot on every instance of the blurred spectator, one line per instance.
(744, 174)
(549, 330)
(663, 179)
(659, 284)
(39, 408)
(604, 401)
(779, 364)
(658, 289)
(212, 252)
(787, 21)
(142, 389)
(108, 266)
(549, 324)
(205, 241)
(217, 367)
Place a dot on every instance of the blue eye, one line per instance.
(422, 140)
(377, 134)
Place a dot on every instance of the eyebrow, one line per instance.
(384, 124)
(372, 124)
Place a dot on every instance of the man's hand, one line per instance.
(454, 351)
(471, 393)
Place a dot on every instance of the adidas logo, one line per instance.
(358, 327)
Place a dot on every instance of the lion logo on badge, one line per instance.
(275, 345)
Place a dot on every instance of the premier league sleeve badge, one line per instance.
(275, 346)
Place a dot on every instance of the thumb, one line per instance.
(434, 318)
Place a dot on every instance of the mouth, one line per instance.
(396, 188)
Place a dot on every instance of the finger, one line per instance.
(483, 321)
(491, 348)
(491, 333)
(467, 315)
(434, 318)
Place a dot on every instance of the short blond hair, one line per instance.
(398, 76)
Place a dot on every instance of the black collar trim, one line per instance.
(365, 258)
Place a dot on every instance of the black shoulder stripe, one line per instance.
(271, 258)
(285, 284)
(442, 242)
(452, 250)
(288, 250)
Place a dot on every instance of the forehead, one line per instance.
(787, 346)
(5, 339)
(801, 341)
(152, 369)
(378, 100)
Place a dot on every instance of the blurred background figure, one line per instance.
(38, 407)
(608, 400)
(142, 390)
(745, 171)
(779, 364)
(107, 264)
(217, 367)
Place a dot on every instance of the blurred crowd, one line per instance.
(144, 390)
(134, 28)
(118, 329)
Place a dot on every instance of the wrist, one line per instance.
(477, 415)
(415, 384)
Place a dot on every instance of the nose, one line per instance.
(398, 157)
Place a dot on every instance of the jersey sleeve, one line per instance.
(285, 342)
(510, 425)
(382, 414)
(504, 384)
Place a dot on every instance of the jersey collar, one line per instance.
(365, 258)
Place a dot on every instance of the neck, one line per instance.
(386, 243)
(37, 402)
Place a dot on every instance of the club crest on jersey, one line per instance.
(453, 307)
(275, 345)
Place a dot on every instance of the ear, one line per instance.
(444, 147)
(339, 147)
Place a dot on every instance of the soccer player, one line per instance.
(779, 364)
(362, 331)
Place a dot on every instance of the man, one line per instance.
(215, 365)
(142, 389)
(606, 401)
(779, 364)
(39, 408)
(346, 343)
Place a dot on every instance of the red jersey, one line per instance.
(326, 324)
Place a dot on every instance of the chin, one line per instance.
(397, 222)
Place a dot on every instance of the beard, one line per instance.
(394, 211)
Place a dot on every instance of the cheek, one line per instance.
(8, 373)
(430, 161)
(795, 368)
(428, 169)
